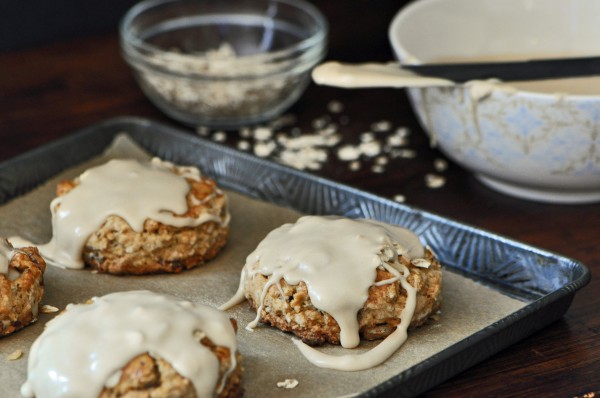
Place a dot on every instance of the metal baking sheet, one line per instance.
(536, 287)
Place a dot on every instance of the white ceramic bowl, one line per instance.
(534, 140)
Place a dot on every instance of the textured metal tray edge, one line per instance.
(311, 194)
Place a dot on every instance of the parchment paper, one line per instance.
(269, 355)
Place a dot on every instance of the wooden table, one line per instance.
(52, 90)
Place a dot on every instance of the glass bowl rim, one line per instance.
(309, 50)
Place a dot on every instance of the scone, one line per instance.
(21, 286)
(136, 344)
(138, 218)
(379, 316)
(336, 280)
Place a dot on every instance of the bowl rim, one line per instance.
(503, 87)
(306, 52)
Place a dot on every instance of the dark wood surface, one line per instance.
(49, 91)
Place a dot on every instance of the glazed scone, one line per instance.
(146, 376)
(378, 318)
(149, 218)
(136, 344)
(21, 286)
(336, 280)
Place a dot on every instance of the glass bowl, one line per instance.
(223, 63)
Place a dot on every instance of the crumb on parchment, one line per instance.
(287, 383)
(13, 356)
(48, 309)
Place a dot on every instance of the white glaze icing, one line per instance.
(6, 254)
(376, 355)
(372, 75)
(130, 189)
(82, 350)
(334, 256)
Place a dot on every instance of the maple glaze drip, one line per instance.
(334, 256)
(6, 254)
(129, 189)
(83, 350)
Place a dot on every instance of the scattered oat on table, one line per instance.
(282, 140)
(355, 165)
(382, 160)
(245, 132)
(371, 149)
(403, 153)
(264, 149)
(377, 168)
(321, 123)
(304, 158)
(381, 126)
(440, 165)
(591, 394)
(434, 180)
(219, 136)
(243, 145)
(367, 136)
(335, 106)
(348, 152)
(396, 140)
(400, 198)
(263, 133)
